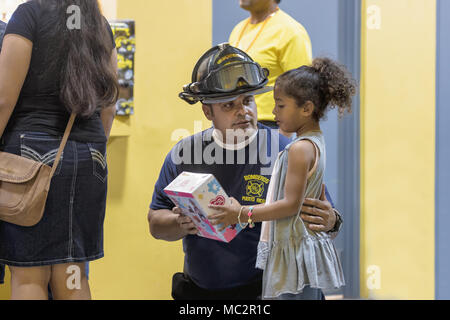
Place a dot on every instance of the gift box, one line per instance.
(193, 193)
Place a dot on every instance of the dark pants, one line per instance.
(183, 288)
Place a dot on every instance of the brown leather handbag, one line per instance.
(24, 185)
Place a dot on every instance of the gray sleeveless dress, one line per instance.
(295, 257)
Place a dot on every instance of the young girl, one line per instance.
(297, 262)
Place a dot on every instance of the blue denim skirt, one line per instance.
(71, 229)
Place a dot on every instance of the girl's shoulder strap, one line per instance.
(315, 136)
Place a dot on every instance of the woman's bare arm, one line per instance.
(15, 61)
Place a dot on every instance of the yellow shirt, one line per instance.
(282, 45)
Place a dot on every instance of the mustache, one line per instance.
(243, 120)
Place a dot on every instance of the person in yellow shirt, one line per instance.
(276, 41)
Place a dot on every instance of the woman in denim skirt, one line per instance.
(58, 57)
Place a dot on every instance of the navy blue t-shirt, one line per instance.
(244, 175)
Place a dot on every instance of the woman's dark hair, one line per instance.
(325, 83)
(80, 56)
(277, 1)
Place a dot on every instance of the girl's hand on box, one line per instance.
(185, 222)
(226, 215)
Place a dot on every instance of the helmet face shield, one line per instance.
(232, 77)
(223, 97)
(222, 74)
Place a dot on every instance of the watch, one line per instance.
(338, 224)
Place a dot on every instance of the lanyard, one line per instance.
(259, 32)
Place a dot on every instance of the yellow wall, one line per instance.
(6, 288)
(170, 39)
(109, 8)
(397, 147)
(171, 36)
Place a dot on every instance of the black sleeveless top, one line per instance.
(39, 107)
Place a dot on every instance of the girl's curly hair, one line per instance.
(325, 83)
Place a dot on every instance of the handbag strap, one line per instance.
(63, 143)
